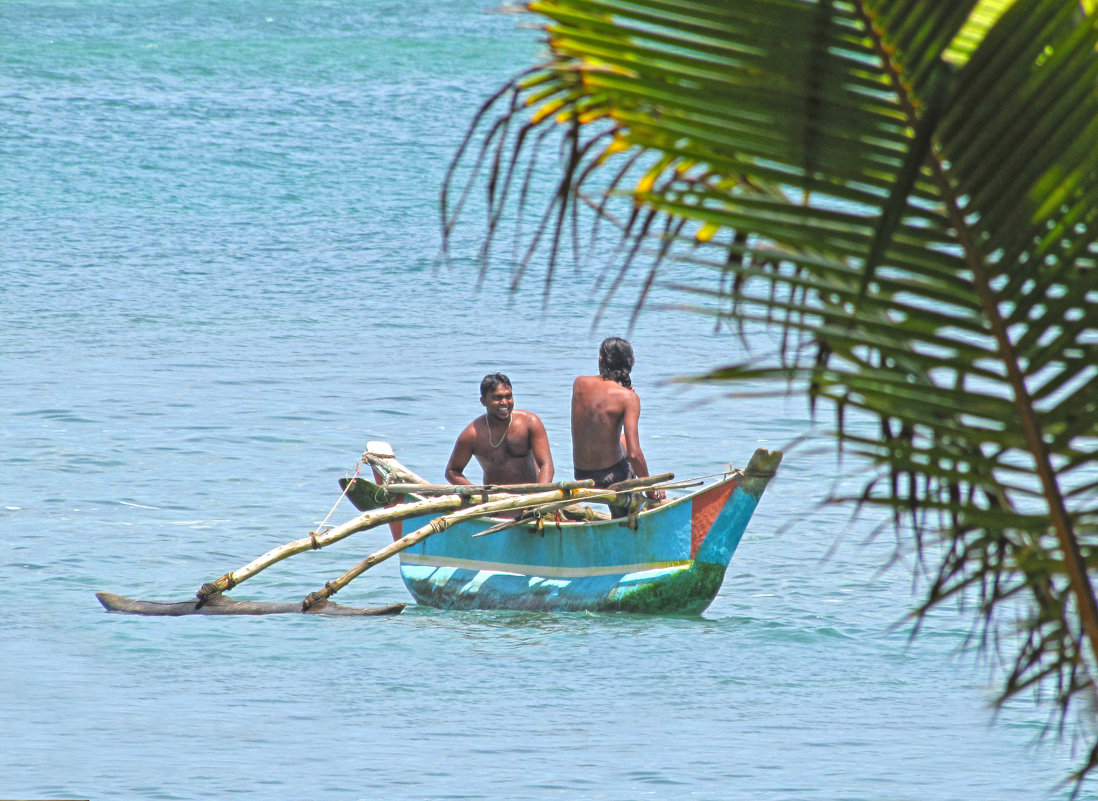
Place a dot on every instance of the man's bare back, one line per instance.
(510, 444)
(602, 412)
(605, 414)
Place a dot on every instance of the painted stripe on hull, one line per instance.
(543, 571)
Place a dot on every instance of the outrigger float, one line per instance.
(525, 547)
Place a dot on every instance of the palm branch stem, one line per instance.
(1075, 564)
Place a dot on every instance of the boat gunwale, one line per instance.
(734, 474)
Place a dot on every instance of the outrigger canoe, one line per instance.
(458, 554)
(667, 560)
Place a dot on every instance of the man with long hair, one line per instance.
(605, 413)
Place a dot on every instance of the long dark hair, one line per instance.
(616, 360)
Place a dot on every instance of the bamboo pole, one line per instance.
(592, 496)
(547, 508)
(366, 520)
(637, 483)
(366, 494)
(437, 525)
(483, 489)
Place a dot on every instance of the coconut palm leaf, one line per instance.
(910, 189)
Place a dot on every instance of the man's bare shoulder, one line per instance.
(526, 418)
(608, 388)
(471, 431)
(593, 383)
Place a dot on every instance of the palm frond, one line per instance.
(910, 190)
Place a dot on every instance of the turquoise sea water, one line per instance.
(218, 230)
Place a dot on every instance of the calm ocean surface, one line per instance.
(218, 230)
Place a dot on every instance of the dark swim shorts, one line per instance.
(606, 476)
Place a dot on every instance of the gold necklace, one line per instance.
(489, 424)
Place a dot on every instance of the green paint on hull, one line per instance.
(685, 593)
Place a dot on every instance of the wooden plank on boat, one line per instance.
(366, 495)
(224, 605)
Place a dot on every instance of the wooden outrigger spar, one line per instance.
(223, 605)
(669, 559)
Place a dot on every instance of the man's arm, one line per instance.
(459, 459)
(539, 446)
(631, 434)
(630, 431)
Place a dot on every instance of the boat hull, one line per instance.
(672, 562)
(678, 591)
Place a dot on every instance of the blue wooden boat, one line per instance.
(668, 560)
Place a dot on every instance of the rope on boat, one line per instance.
(324, 523)
(722, 474)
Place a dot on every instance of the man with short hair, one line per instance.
(605, 412)
(510, 444)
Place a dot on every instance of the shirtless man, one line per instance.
(605, 410)
(510, 444)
